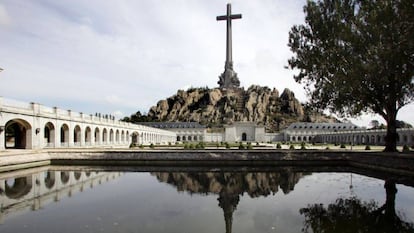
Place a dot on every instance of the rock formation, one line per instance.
(216, 107)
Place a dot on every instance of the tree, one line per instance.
(356, 56)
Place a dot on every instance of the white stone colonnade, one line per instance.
(34, 126)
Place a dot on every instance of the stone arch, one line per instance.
(117, 139)
(97, 135)
(195, 138)
(49, 134)
(244, 137)
(88, 135)
(184, 138)
(134, 138)
(189, 138)
(18, 187)
(49, 179)
(178, 138)
(104, 136)
(64, 135)
(378, 139)
(77, 135)
(111, 136)
(18, 134)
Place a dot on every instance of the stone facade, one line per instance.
(34, 126)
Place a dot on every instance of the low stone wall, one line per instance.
(401, 163)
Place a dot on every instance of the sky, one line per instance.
(120, 57)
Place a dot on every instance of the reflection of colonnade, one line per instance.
(32, 191)
(34, 126)
(229, 186)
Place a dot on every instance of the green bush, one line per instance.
(249, 146)
(278, 146)
(291, 147)
(191, 146)
(185, 146)
(406, 148)
(227, 145)
(303, 146)
(152, 146)
(169, 143)
(218, 145)
(132, 145)
(141, 146)
(241, 146)
(200, 145)
(343, 146)
(327, 148)
(367, 147)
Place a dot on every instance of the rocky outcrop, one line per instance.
(216, 107)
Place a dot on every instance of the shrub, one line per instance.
(200, 145)
(185, 146)
(278, 146)
(257, 144)
(406, 148)
(367, 147)
(141, 146)
(241, 146)
(291, 147)
(343, 146)
(132, 145)
(218, 145)
(169, 143)
(152, 146)
(249, 146)
(191, 146)
(327, 148)
(227, 145)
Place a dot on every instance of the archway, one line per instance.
(18, 134)
(244, 137)
(64, 135)
(117, 136)
(104, 136)
(111, 136)
(88, 135)
(49, 134)
(122, 136)
(77, 135)
(97, 135)
(134, 138)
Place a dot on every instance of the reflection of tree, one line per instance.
(351, 215)
(229, 186)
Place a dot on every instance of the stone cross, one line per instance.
(228, 79)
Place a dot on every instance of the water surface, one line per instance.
(47, 200)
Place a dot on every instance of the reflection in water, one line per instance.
(352, 215)
(229, 186)
(18, 187)
(20, 194)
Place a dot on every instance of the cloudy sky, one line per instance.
(118, 57)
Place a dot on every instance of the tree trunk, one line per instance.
(391, 137)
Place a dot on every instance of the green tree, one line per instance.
(356, 56)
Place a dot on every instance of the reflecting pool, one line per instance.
(284, 200)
